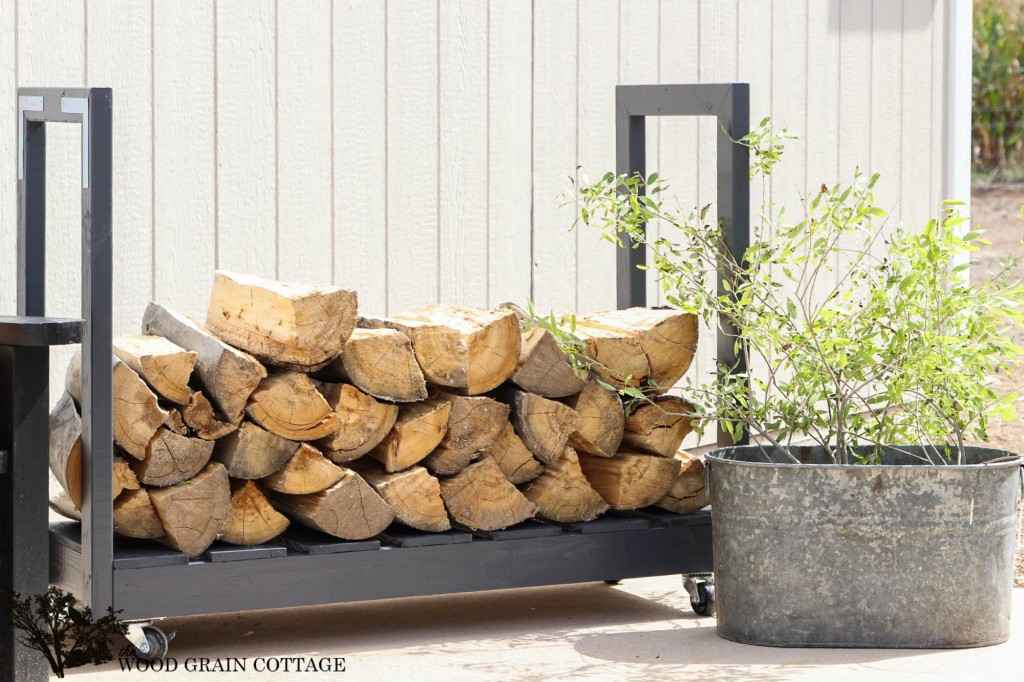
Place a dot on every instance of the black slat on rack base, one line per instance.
(302, 539)
(610, 522)
(526, 529)
(664, 517)
(220, 551)
(399, 535)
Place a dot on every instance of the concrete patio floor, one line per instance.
(639, 630)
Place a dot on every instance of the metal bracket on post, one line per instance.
(90, 108)
(729, 103)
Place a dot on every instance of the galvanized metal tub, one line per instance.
(897, 555)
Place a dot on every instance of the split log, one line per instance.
(688, 493)
(480, 498)
(306, 472)
(65, 506)
(298, 326)
(381, 362)
(200, 417)
(66, 447)
(602, 420)
(171, 458)
(137, 414)
(629, 480)
(667, 336)
(418, 430)
(471, 349)
(349, 509)
(473, 424)
(363, 422)
(251, 519)
(124, 477)
(228, 375)
(193, 513)
(252, 452)
(174, 421)
(165, 366)
(516, 462)
(413, 494)
(658, 427)
(288, 404)
(544, 425)
(618, 358)
(562, 492)
(133, 514)
(543, 367)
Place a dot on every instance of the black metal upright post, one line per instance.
(729, 103)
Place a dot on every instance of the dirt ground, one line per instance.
(997, 209)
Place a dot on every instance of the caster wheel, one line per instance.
(158, 644)
(612, 582)
(702, 601)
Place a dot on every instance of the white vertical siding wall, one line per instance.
(417, 150)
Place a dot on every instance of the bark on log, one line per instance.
(470, 349)
(228, 375)
(288, 404)
(363, 422)
(298, 326)
(200, 417)
(66, 447)
(602, 420)
(165, 366)
(659, 427)
(688, 493)
(629, 480)
(252, 452)
(171, 459)
(350, 509)
(382, 363)
(562, 492)
(306, 472)
(137, 414)
(193, 513)
(414, 495)
(124, 477)
(174, 421)
(251, 518)
(480, 498)
(617, 357)
(417, 431)
(543, 367)
(667, 336)
(544, 425)
(473, 424)
(516, 462)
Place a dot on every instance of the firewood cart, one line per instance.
(147, 581)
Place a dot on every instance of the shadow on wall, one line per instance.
(864, 19)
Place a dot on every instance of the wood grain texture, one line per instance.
(887, 81)
(916, 202)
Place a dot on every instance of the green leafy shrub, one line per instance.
(998, 87)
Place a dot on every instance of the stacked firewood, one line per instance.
(286, 406)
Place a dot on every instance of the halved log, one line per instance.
(413, 494)
(288, 404)
(65, 506)
(417, 431)
(629, 480)
(688, 493)
(174, 421)
(171, 458)
(667, 336)
(516, 462)
(543, 367)
(470, 349)
(658, 427)
(201, 418)
(66, 447)
(602, 420)
(618, 358)
(543, 424)
(252, 452)
(137, 414)
(193, 513)
(251, 519)
(306, 472)
(133, 514)
(363, 422)
(481, 498)
(165, 366)
(298, 326)
(228, 375)
(473, 424)
(562, 492)
(381, 362)
(349, 509)
(124, 477)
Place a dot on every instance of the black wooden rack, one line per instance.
(147, 580)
